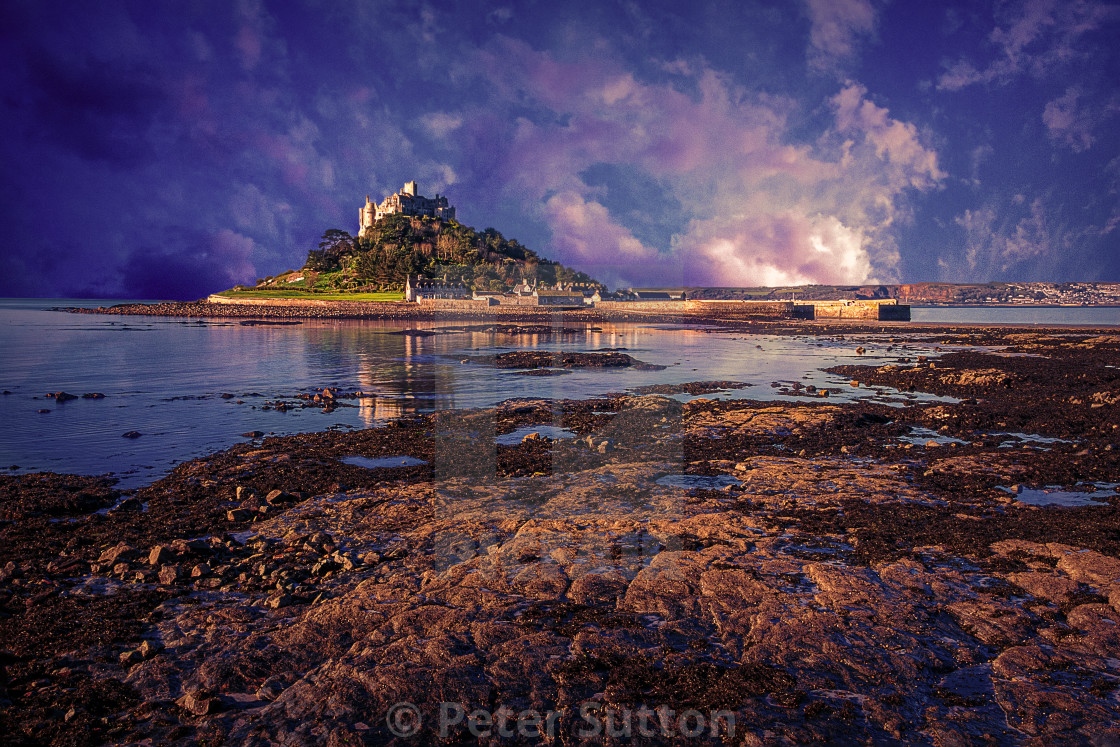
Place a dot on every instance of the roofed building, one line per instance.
(425, 289)
(405, 202)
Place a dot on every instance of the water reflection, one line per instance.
(167, 378)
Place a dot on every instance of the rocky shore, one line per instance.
(718, 571)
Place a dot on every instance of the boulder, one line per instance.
(168, 574)
(119, 552)
(199, 703)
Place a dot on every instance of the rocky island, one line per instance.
(632, 569)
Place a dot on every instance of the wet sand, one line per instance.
(793, 570)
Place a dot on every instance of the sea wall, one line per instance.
(308, 303)
(882, 310)
(456, 304)
(771, 309)
(675, 307)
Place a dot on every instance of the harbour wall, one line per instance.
(883, 310)
(773, 309)
(456, 304)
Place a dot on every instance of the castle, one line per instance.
(405, 202)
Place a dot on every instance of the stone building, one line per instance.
(405, 202)
(425, 289)
(558, 298)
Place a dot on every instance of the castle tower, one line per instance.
(366, 217)
(410, 188)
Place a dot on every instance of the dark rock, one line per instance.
(120, 551)
(148, 649)
(63, 396)
(93, 395)
(160, 555)
(131, 434)
(199, 703)
(277, 497)
(278, 601)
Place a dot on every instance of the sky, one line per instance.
(171, 150)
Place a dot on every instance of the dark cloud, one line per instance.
(187, 266)
(728, 142)
(99, 110)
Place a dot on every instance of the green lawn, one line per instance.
(299, 293)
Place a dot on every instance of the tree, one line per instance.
(334, 244)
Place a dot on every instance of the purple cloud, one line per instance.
(761, 208)
(836, 28)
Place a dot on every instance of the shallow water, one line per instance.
(1041, 316)
(1055, 496)
(382, 462)
(546, 431)
(705, 482)
(191, 387)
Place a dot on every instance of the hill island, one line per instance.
(409, 242)
(411, 248)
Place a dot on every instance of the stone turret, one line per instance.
(406, 202)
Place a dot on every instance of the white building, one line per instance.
(405, 202)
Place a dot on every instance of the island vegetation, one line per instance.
(375, 266)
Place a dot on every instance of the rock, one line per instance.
(148, 649)
(128, 658)
(131, 434)
(271, 688)
(160, 555)
(169, 574)
(42, 411)
(1090, 567)
(93, 395)
(531, 437)
(276, 601)
(1049, 586)
(120, 551)
(63, 396)
(239, 514)
(199, 702)
(854, 382)
(279, 497)
(200, 570)
(190, 547)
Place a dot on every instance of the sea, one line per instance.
(184, 388)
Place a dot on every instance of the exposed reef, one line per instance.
(809, 570)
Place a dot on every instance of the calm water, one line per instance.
(1034, 315)
(165, 377)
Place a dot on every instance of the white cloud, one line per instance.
(759, 207)
(1038, 37)
(836, 27)
(441, 124)
(994, 247)
(1067, 122)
